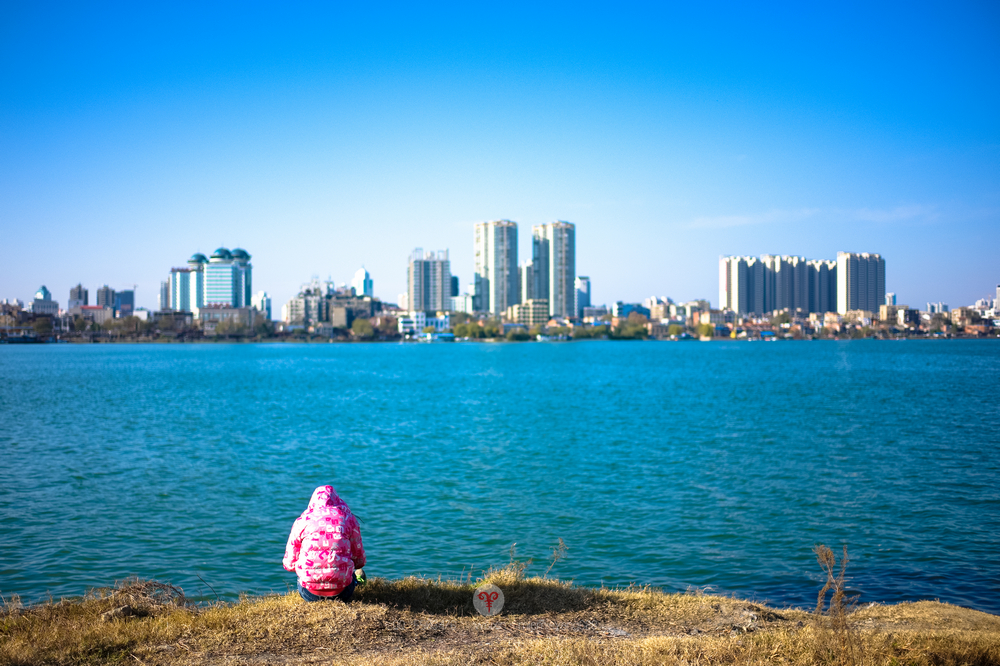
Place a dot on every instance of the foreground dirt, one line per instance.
(544, 621)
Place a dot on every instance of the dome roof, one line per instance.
(222, 253)
(197, 258)
(239, 253)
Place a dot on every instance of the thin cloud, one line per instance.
(770, 217)
(897, 214)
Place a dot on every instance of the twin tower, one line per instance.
(549, 275)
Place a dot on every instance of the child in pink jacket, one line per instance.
(325, 549)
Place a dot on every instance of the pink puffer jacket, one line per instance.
(325, 547)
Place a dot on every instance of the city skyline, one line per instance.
(335, 138)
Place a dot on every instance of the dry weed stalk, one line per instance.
(558, 553)
(835, 632)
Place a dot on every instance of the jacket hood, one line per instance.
(324, 496)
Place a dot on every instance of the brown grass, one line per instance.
(416, 620)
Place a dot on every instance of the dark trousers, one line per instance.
(345, 596)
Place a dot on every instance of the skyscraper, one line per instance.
(163, 301)
(428, 279)
(582, 288)
(553, 252)
(526, 280)
(187, 285)
(105, 297)
(78, 296)
(860, 281)
(362, 283)
(751, 286)
(124, 303)
(228, 279)
(496, 275)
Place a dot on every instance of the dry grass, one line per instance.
(425, 621)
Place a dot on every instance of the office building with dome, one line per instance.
(222, 280)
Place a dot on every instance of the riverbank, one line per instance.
(543, 621)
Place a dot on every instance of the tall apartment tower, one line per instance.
(163, 301)
(496, 276)
(860, 281)
(742, 283)
(822, 285)
(428, 280)
(78, 296)
(527, 281)
(105, 297)
(553, 252)
(228, 279)
(362, 283)
(582, 288)
(187, 285)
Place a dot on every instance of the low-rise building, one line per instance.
(415, 322)
(533, 312)
(211, 316)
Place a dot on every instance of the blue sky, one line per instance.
(323, 137)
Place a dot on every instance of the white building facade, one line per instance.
(496, 270)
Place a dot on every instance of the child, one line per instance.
(325, 549)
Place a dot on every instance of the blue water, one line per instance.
(672, 464)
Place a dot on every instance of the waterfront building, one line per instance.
(582, 287)
(496, 270)
(163, 300)
(78, 296)
(860, 281)
(595, 313)
(105, 297)
(187, 285)
(262, 303)
(414, 322)
(822, 286)
(463, 303)
(124, 303)
(526, 279)
(43, 303)
(428, 279)
(937, 308)
(362, 283)
(751, 286)
(228, 279)
(533, 312)
(553, 252)
(622, 310)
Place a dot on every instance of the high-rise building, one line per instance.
(124, 303)
(860, 281)
(743, 283)
(163, 301)
(526, 280)
(262, 302)
(890, 298)
(43, 303)
(822, 286)
(428, 280)
(496, 274)
(187, 285)
(748, 285)
(228, 279)
(78, 297)
(582, 287)
(362, 283)
(105, 297)
(553, 253)
(454, 286)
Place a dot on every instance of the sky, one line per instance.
(323, 137)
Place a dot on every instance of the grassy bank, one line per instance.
(543, 621)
